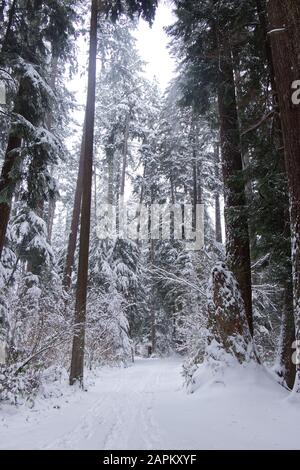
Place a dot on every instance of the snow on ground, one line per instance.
(146, 407)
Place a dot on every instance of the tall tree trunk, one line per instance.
(218, 224)
(7, 184)
(262, 15)
(284, 33)
(195, 195)
(237, 235)
(287, 337)
(77, 363)
(75, 217)
(218, 227)
(195, 190)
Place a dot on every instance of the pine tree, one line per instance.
(34, 96)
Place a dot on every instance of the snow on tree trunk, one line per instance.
(229, 333)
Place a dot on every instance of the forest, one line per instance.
(216, 155)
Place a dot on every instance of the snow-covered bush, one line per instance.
(107, 329)
(18, 385)
(194, 329)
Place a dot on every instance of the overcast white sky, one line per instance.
(153, 45)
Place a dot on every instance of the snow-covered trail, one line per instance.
(117, 413)
(145, 407)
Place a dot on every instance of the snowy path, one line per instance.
(145, 407)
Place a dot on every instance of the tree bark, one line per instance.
(75, 217)
(77, 362)
(218, 228)
(237, 234)
(218, 224)
(7, 185)
(284, 33)
(287, 337)
(195, 195)
(287, 368)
